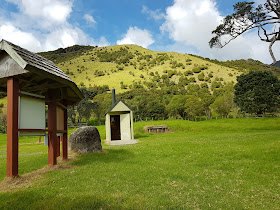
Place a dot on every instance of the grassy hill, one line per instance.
(124, 65)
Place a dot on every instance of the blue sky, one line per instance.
(165, 25)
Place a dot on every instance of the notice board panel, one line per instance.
(32, 113)
(59, 118)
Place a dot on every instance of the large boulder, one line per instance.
(85, 139)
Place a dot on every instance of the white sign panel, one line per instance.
(32, 114)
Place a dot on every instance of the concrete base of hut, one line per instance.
(122, 142)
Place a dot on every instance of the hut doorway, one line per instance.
(115, 127)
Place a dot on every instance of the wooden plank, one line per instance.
(64, 137)
(9, 49)
(8, 67)
(52, 130)
(12, 127)
(58, 147)
(33, 130)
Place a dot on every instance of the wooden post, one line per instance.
(58, 146)
(64, 137)
(12, 127)
(52, 130)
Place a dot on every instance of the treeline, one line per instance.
(256, 93)
(187, 103)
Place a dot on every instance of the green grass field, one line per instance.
(214, 164)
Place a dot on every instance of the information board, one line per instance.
(32, 115)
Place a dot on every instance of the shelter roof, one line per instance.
(120, 105)
(36, 74)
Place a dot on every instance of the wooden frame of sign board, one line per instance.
(32, 114)
(25, 73)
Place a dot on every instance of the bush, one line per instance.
(187, 73)
(96, 122)
(200, 77)
(192, 79)
(196, 70)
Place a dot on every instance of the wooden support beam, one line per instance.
(58, 146)
(12, 127)
(64, 137)
(52, 129)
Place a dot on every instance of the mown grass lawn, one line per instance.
(220, 164)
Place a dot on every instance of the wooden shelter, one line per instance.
(119, 122)
(33, 81)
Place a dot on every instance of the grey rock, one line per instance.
(85, 139)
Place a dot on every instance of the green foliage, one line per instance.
(193, 106)
(257, 92)
(65, 54)
(224, 104)
(196, 70)
(247, 17)
(99, 73)
(192, 79)
(176, 106)
(183, 81)
(96, 122)
(121, 56)
(200, 77)
(216, 84)
(187, 73)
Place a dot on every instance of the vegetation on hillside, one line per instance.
(156, 85)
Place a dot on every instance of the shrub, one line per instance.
(96, 122)
(201, 77)
(187, 73)
(192, 79)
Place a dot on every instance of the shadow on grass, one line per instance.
(109, 155)
(47, 200)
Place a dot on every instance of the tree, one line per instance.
(224, 104)
(84, 109)
(193, 106)
(72, 114)
(247, 17)
(177, 106)
(257, 92)
(102, 103)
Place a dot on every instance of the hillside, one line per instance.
(127, 66)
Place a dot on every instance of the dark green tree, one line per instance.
(257, 92)
(246, 17)
(224, 104)
(84, 109)
(193, 106)
(177, 106)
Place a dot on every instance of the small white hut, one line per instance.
(119, 123)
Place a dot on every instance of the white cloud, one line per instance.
(43, 25)
(156, 15)
(68, 36)
(54, 11)
(260, 2)
(137, 36)
(191, 23)
(16, 36)
(89, 19)
(102, 42)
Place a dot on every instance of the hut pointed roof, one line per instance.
(36, 74)
(119, 105)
